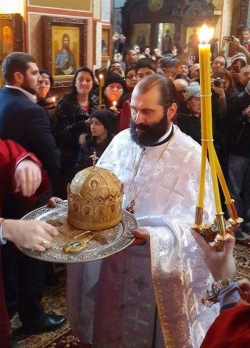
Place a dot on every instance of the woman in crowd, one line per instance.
(72, 119)
(182, 68)
(130, 82)
(44, 97)
(103, 124)
(237, 63)
(130, 79)
(113, 90)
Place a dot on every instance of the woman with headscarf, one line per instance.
(113, 90)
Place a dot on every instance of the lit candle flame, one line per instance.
(53, 99)
(114, 104)
(205, 34)
(100, 90)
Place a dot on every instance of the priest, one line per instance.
(149, 295)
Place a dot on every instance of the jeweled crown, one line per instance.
(95, 199)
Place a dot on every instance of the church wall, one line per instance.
(97, 13)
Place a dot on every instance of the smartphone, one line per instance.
(235, 69)
(228, 38)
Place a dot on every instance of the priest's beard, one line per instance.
(149, 135)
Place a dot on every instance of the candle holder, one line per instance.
(216, 232)
(100, 90)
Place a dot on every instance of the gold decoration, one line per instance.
(211, 233)
(95, 199)
(55, 223)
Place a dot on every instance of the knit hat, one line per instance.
(239, 56)
(113, 78)
(194, 90)
(168, 62)
(107, 118)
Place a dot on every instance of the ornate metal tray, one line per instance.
(117, 238)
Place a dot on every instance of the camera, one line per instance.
(218, 82)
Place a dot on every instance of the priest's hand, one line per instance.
(220, 264)
(53, 201)
(141, 236)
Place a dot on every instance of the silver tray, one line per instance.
(118, 237)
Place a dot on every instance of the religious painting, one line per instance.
(64, 47)
(106, 43)
(165, 39)
(140, 34)
(192, 40)
(11, 34)
(65, 50)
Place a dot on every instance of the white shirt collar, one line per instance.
(31, 97)
(166, 134)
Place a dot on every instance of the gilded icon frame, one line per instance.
(11, 33)
(56, 31)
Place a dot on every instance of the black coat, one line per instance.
(27, 123)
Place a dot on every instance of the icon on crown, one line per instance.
(95, 199)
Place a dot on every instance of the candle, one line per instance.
(100, 90)
(204, 59)
(114, 104)
(53, 99)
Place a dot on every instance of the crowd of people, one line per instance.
(144, 123)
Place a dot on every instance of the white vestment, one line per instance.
(168, 273)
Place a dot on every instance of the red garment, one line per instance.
(10, 154)
(231, 329)
(125, 116)
(247, 45)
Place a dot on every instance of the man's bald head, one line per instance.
(181, 87)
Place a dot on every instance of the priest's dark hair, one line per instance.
(167, 92)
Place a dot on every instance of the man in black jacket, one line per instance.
(22, 120)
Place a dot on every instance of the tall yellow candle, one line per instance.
(206, 108)
(100, 90)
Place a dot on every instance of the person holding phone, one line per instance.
(238, 62)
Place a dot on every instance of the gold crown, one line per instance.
(95, 199)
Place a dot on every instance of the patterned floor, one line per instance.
(55, 300)
(242, 257)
